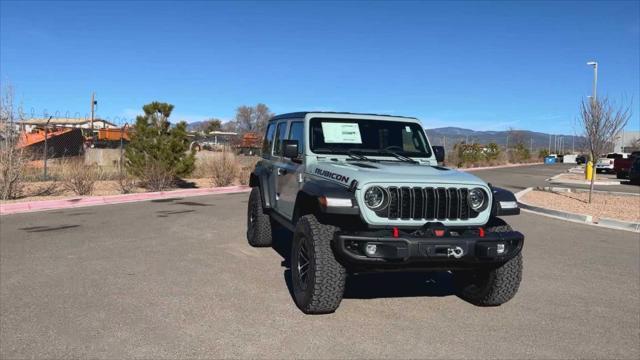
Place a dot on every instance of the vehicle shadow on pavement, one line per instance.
(375, 285)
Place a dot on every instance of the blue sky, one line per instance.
(480, 65)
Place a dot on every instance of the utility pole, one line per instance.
(93, 105)
(595, 79)
(531, 146)
(549, 143)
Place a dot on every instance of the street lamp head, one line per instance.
(592, 63)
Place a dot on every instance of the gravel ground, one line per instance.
(626, 208)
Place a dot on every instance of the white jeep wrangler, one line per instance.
(364, 193)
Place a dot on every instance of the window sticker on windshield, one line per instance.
(345, 133)
(407, 129)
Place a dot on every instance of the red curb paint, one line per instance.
(33, 206)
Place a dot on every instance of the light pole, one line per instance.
(595, 78)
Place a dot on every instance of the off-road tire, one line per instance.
(492, 286)
(258, 223)
(323, 289)
(621, 175)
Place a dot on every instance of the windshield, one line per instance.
(369, 137)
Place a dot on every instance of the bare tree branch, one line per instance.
(602, 122)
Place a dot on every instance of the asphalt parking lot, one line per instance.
(175, 278)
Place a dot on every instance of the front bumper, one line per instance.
(455, 248)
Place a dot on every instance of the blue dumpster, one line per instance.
(549, 160)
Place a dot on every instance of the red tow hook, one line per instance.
(481, 232)
(396, 233)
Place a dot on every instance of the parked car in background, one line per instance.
(634, 172)
(569, 159)
(605, 164)
(621, 166)
(581, 159)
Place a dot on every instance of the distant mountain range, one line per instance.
(193, 126)
(536, 140)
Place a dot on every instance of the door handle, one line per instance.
(281, 171)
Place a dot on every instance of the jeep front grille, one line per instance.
(428, 203)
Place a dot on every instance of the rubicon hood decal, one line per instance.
(332, 175)
(390, 172)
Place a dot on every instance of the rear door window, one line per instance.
(267, 145)
(277, 142)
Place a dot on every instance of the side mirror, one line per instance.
(290, 149)
(438, 151)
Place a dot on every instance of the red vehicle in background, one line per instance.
(621, 166)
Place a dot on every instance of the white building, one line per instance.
(627, 142)
(29, 125)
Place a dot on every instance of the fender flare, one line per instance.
(503, 196)
(308, 199)
(259, 178)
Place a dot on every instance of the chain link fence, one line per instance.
(71, 151)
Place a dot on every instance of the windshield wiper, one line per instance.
(352, 154)
(357, 156)
(400, 157)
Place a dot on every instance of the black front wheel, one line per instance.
(491, 286)
(318, 279)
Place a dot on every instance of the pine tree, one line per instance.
(158, 152)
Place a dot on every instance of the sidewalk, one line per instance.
(573, 178)
(76, 202)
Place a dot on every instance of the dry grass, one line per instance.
(79, 178)
(244, 175)
(13, 166)
(211, 170)
(127, 183)
(620, 207)
(156, 177)
(224, 168)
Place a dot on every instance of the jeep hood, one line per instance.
(343, 172)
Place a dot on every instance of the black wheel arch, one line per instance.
(500, 196)
(308, 202)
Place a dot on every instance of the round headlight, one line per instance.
(477, 199)
(375, 198)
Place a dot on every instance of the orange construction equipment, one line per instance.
(37, 136)
(107, 134)
(60, 141)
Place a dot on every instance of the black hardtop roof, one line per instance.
(301, 114)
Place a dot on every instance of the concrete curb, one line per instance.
(568, 189)
(577, 218)
(76, 202)
(497, 167)
(555, 180)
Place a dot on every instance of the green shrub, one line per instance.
(158, 152)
